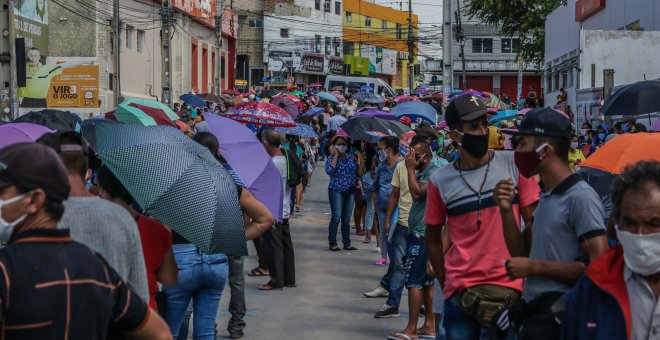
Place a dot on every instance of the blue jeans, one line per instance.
(383, 234)
(395, 278)
(201, 278)
(415, 263)
(369, 218)
(459, 325)
(341, 207)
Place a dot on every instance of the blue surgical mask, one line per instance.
(382, 155)
(624, 128)
(602, 136)
(434, 145)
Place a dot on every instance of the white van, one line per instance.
(377, 84)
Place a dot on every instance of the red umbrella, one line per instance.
(288, 96)
(231, 92)
(261, 114)
(339, 96)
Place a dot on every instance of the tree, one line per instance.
(523, 19)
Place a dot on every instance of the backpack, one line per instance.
(293, 168)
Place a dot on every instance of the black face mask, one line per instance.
(475, 145)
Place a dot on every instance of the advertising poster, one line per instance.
(336, 65)
(389, 62)
(72, 85)
(375, 55)
(312, 63)
(30, 21)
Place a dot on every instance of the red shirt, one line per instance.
(156, 241)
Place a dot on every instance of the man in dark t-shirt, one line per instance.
(52, 287)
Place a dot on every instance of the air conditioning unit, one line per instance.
(402, 55)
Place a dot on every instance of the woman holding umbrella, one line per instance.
(342, 168)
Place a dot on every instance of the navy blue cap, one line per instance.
(543, 122)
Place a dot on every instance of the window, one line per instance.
(367, 21)
(398, 31)
(570, 78)
(129, 36)
(317, 5)
(337, 7)
(326, 6)
(255, 23)
(383, 24)
(140, 40)
(317, 40)
(284, 32)
(328, 41)
(510, 45)
(349, 17)
(349, 48)
(337, 45)
(482, 45)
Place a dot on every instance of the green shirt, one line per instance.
(416, 218)
(38, 80)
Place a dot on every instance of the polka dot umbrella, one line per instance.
(260, 114)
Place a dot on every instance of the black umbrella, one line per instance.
(52, 119)
(601, 181)
(358, 127)
(635, 99)
(270, 93)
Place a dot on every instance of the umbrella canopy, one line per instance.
(358, 127)
(314, 85)
(288, 105)
(328, 96)
(258, 172)
(403, 98)
(154, 104)
(229, 100)
(193, 100)
(656, 126)
(416, 109)
(13, 133)
(178, 182)
(301, 130)
(340, 97)
(314, 111)
(231, 92)
(601, 181)
(270, 93)
(297, 93)
(368, 97)
(337, 88)
(504, 115)
(366, 88)
(210, 97)
(133, 113)
(373, 112)
(88, 130)
(52, 119)
(260, 114)
(639, 98)
(625, 150)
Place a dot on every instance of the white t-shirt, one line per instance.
(280, 163)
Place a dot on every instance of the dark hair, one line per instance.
(112, 185)
(272, 138)
(589, 126)
(639, 127)
(633, 177)
(334, 140)
(617, 126)
(331, 134)
(561, 146)
(207, 140)
(391, 142)
(53, 208)
(425, 134)
(418, 140)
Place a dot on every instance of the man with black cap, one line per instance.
(567, 231)
(460, 207)
(52, 287)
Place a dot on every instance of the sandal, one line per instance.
(334, 248)
(350, 248)
(401, 336)
(258, 272)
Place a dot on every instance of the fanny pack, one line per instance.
(481, 302)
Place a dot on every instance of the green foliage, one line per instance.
(524, 19)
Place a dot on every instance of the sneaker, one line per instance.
(376, 250)
(377, 292)
(387, 312)
(382, 261)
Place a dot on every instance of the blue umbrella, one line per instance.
(368, 97)
(193, 100)
(178, 182)
(416, 109)
(366, 88)
(301, 130)
(503, 115)
(328, 96)
(314, 111)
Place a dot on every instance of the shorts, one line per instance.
(415, 263)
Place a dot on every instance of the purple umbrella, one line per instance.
(288, 105)
(247, 156)
(13, 133)
(373, 112)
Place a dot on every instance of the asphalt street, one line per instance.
(328, 302)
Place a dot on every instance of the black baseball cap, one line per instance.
(31, 166)
(465, 108)
(543, 122)
(65, 141)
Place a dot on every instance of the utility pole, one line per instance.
(117, 28)
(167, 18)
(8, 89)
(447, 56)
(218, 46)
(460, 37)
(411, 49)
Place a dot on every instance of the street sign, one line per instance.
(265, 80)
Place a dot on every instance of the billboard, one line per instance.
(72, 85)
(381, 60)
(388, 63)
(336, 65)
(29, 20)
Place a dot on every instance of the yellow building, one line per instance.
(375, 41)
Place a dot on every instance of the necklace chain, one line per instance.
(481, 188)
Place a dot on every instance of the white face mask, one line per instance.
(7, 228)
(640, 252)
(574, 145)
(341, 148)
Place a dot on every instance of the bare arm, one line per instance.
(168, 271)
(434, 247)
(260, 217)
(417, 190)
(154, 328)
(392, 201)
(513, 237)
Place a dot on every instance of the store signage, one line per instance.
(336, 65)
(311, 63)
(587, 8)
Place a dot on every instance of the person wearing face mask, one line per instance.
(342, 168)
(617, 298)
(52, 286)
(566, 234)
(575, 156)
(460, 207)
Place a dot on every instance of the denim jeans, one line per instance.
(201, 278)
(369, 218)
(237, 302)
(341, 208)
(395, 278)
(459, 325)
(383, 234)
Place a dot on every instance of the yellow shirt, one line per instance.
(575, 157)
(400, 180)
(37, 81)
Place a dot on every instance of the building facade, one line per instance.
(376, 42)
(250, 44)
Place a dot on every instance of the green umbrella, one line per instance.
(178, 182)
(154, 104)
(145, 113)
(297, 93)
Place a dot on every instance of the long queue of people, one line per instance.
(500, 244)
